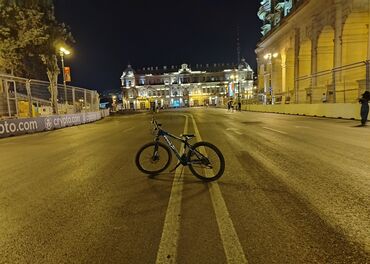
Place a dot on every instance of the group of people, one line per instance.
(232, 105)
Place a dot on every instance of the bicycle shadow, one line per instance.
(187, 178)
(162, 184)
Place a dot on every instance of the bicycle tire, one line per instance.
(152, 145)
(208, 172)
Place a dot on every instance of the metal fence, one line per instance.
(340, 85)
(344, 84)
(21, 97)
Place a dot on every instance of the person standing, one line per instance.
(323, 98)
(233, 106)
(364, 100)
(239, 106)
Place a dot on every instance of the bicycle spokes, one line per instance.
(206, 161)
(153, 158)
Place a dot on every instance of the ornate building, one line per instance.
(184, 87)
(313, 51)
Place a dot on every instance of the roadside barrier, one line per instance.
(16, 127)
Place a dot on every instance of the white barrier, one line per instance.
(16, 127)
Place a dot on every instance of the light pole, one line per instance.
(62, 52)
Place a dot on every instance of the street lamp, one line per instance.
(62, 52)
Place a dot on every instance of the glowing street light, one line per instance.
(62, 52)
(65, 51)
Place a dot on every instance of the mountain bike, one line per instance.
(204, 159)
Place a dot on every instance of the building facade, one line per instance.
(313, 51)
(182, 86)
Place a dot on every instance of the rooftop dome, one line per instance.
(128, 72)
(243, 65)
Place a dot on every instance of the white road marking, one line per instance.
(236, 131)
(128, 129)
(278, 131)
(232, 247)
(301, 127)
(167, 252)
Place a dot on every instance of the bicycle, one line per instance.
(204, 159)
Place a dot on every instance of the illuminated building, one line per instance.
(313, 48)
(185, 87)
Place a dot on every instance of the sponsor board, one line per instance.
(15, 127)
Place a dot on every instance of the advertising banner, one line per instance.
(67, 74)
(15, 127)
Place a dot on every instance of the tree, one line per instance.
(57, 35)
(29, 40)
(21, 30)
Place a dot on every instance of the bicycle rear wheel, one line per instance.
(153, 158)
(206, 161)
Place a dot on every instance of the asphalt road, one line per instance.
(295, 190)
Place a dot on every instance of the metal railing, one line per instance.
(344, 84)
(339, 85)
(20, 97)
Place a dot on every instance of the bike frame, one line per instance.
(166, 136)
(183, 159)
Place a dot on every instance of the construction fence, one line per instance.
(24, 98)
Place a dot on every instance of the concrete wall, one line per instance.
(328, 110)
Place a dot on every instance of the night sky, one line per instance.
(111, 34)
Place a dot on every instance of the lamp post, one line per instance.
(62, 52)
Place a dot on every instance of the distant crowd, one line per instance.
(234, 106)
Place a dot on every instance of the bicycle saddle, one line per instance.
(188, 135)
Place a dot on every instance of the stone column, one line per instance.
(296, 63)
(283, 71)
(337, 44)
(314, 59)
(313, 81)
(368, 51)
(368, 40)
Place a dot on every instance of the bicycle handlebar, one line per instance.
(155, 123)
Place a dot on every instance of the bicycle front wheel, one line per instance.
(153, 158)
(206, 161)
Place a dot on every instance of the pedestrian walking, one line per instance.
(239, 106)
(324, 99)
(228, 105)
(233, 106)
(364, 100)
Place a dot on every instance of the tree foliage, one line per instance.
(29, 38)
